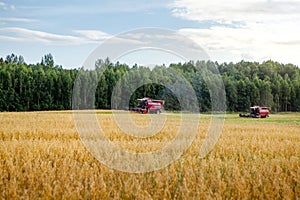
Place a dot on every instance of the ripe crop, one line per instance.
(42, 157)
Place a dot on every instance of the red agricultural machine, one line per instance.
(257, 112)
(147, 105)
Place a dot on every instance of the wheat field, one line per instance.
(42, 157)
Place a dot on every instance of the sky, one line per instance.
(229, 31)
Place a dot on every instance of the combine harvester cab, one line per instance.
(147, 105)
(257, 112)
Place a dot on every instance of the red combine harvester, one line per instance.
(257, 112)
(147, 105)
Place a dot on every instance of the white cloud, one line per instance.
(245, 11)
(93, 35)
(5, 6)
(27, 35)
(248, 29)
(18, 34)
(257, 43)
(8, 38)
(12, 7)
(14, 19)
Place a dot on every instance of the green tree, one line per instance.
(48, 61)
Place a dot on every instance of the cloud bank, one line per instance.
(249, 29)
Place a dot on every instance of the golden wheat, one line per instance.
(42, 157)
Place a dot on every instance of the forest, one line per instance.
(46, 86)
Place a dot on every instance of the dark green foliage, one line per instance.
(46, 86)
(267, 84)
(26, 87)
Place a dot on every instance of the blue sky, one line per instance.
(254, 30)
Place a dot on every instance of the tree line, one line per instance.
(46, 86)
